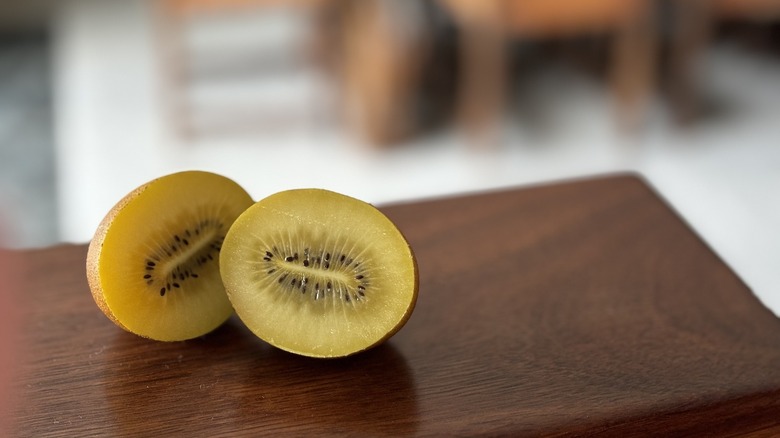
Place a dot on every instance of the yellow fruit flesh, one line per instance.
(316, 303)
(171, 223)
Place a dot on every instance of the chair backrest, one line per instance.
(548, 17)
(753, 9)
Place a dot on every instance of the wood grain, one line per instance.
(576, 308)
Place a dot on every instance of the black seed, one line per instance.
(176, 238)
(149, 268)
(288, 259)
(292, 282)
(295, 256)
(266, 259)
(327, 265)
(268, 254)
(327, 256)
(358, 277)
(186, 242)
(187, 232)
(150, 263)
(194, 275)
(282, 278)
(176, 285)
(147, 276)
(306, 263)
(346, 297)
(169, 253)
(187, 274)
(330, 285)
(342, 258)
(212, 258)
(162, 291)
(362, 294)
(349, 261)
(181, 276)
(272, 271)
(317, 286)
(168, 286)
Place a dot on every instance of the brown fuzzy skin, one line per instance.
(95, 249)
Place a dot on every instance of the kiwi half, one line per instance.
(153, 265)
(318, 273)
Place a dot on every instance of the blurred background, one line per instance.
(391, 100)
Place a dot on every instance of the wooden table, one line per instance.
(575, 308)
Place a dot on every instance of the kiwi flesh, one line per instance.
(153, 264)
(319, 273)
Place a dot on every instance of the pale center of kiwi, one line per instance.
(317, 273)
(180, 258)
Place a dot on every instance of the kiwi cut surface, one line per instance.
(153, 264)
(318, 273)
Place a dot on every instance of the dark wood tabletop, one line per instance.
(575, 308)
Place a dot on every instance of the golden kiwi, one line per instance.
(318, 273)
(153, 264)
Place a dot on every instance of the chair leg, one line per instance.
(172, 57)
(690, 35)
(382, 68)
(483, 82)
(634, 64)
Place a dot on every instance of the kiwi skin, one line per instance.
(240, 227)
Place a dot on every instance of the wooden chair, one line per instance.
(173, 18)
(487, 25)
(372, 49)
